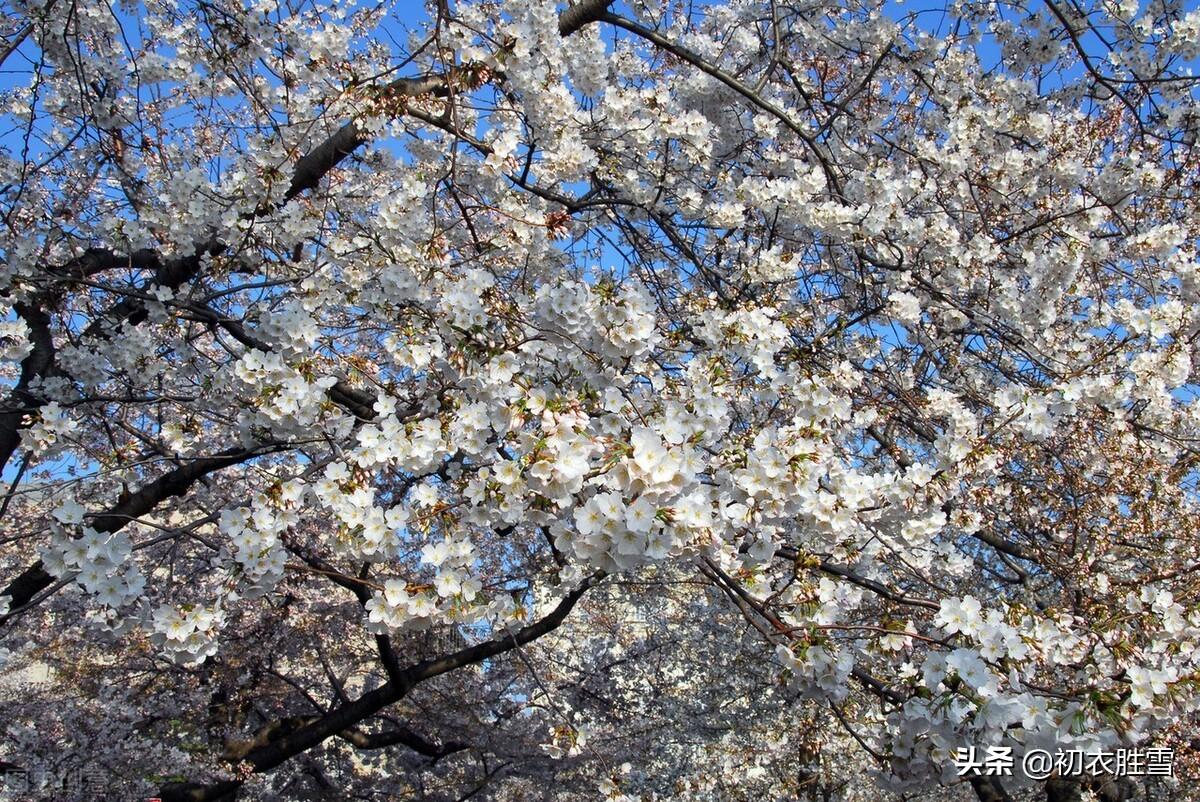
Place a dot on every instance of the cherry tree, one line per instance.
(598, 400)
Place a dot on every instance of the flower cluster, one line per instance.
(46, 433)
(187, 635)
(287, 399)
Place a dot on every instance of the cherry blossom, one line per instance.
(570, 400)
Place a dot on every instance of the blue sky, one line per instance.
(17, 72)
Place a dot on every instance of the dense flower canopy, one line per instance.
(608, 400)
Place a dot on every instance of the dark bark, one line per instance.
(99, 260)
(133, 504)
(307, 174)
(36, 365)
(30, 582)
(405, 737)
(40, 362)
(317, 163)
(345, 717)
(173, 273)
(841, 571)
(237, 750)
(582, 14)
(129, 506)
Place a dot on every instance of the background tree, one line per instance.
(633, 400)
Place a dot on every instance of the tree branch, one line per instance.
(130, 505)
(340, 719)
